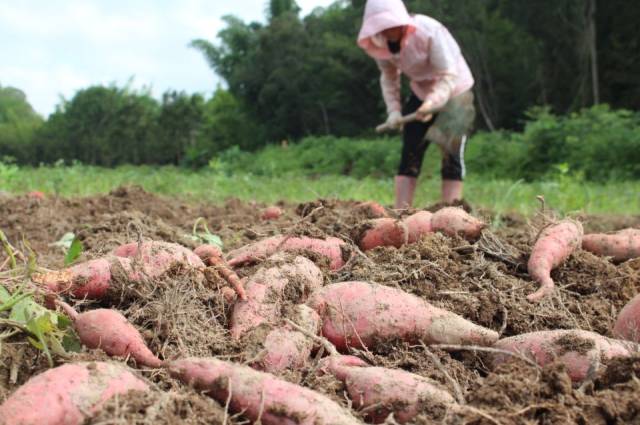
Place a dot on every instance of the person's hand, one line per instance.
(425, 112)
(394, 120)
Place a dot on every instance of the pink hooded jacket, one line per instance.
(430, 56)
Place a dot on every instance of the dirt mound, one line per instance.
(183, 314)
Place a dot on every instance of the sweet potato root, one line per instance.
(554, 245)
(580, 351)
(330, 248)
(286, 348)
(212, 256)
(383, 232)
(628, 323)
(111, 331)
(418, 225)
(620, 246)
(259, 394)
(382, 391)
(68, 394)
(271, 213)
(455, 221)
(359, 314)
(265, 292)
(371, 209)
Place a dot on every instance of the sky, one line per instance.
(53, 48)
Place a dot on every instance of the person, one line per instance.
(441, 85)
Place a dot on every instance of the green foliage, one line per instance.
(18, 123)
(45, 329)
(594, 144)
(316, 156)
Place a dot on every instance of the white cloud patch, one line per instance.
(53, 48)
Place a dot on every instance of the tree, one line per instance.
(18, 123)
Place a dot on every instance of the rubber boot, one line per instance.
(405, 189)
(451, 191)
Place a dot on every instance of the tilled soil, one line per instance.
(486, 282)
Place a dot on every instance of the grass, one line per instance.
(564, 194)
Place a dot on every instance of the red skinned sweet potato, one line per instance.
(620, 246)
(384, 232)
(286, 348)
(330, 248)
(382, 391)
(371, 209)
(68, 394)
(205, 252)
(580, 351)
(159, 254)
(360, 313)
(92, 279)
(628, 323)
(110, 331)
(271, 213)
(265, 291)
(258, 394)
(455, 221)
(554, 245)
(418, 225)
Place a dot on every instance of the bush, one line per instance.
(316, 156)
(597, 144)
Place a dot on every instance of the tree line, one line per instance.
(292, 77)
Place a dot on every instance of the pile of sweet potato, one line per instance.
(322, 325)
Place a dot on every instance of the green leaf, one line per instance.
(4, 295)
(74, 252)
(212, 239)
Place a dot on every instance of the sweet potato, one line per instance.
(286, 348)
(36, 194)
(628, 323)
(359, 314)
(212, 256)
(271, 213)
(260, 395)
(111, 331)
(383, 232)
(159, 254)
(580, 351)
(92, 279)
(371, 209)
(68, 394)
(330, 248)
(382, 391)
(554, 245)
(265, 292)
(418, 225)
(205, 252)
(455, 221)
(620, 246)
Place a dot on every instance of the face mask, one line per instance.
(394, 46)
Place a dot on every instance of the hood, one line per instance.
(380, 15)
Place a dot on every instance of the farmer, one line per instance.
(441, 82)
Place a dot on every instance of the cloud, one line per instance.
(53, 48)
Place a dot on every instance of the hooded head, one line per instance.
(380, 15)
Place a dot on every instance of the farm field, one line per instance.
(180, 315)
(565, 194)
